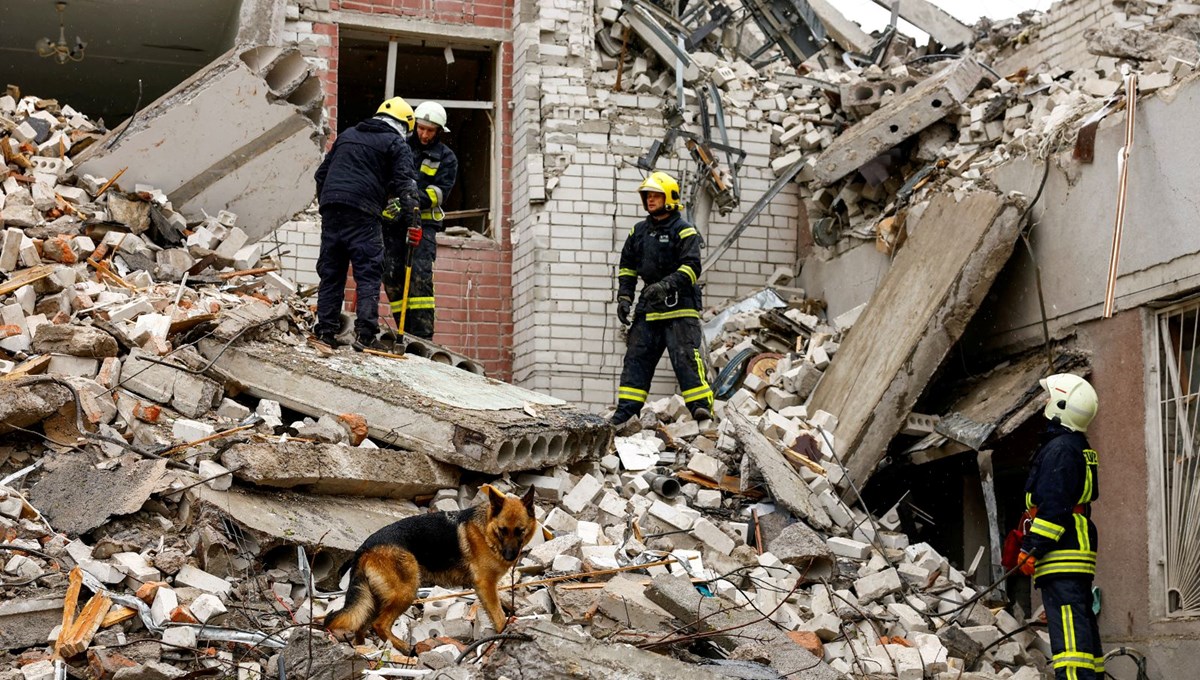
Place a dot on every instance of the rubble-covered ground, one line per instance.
(730, 549)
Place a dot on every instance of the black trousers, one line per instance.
(349, 237)
(681, 338)
(419, 318)
(1074, 633)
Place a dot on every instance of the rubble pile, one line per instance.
(868, 136)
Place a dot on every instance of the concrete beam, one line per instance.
(940, 26)
(25, 622)
(785, 483)
(282, 517)
(339, 470)
(454, 416)
(240, 135)
(846, 33)
(925, 104)
(919, 311)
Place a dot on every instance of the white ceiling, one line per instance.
(160, 42)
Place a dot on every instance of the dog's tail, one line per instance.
(359, 608)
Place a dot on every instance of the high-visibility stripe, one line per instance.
(397, 306)
(435, 196)
(430, 168)
(632, 394)
(1081, 532)
(703, 375)
(1091, 460)
(1098, 666)
(1066, 562)
(677, 314)
(1028, 500)
(627, 272)
(1068, 625)
(1073, 658)
(698, 393)
(1050, 530)
(691, 273)
(421, 302)
(690, 231)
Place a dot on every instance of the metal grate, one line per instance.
(1179, 407)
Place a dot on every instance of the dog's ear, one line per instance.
(527, 500)
(496, 498)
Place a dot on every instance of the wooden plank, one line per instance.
(70, 602)
(786, 485)
(917, 313)
(85, 627)
(25, 277)
(118, 615)
(988, 480)
(34, 366)
(940, 26)
(728, 484)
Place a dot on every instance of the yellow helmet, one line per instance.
(399, 109)
(1072, 401)
(664, 184)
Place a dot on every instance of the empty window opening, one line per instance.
(460, 78)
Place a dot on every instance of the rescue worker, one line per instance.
(367, 164)
(436, 169)
(1059, 549)
(664, 250)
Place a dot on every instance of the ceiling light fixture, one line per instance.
(61, 50)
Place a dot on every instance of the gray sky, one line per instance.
(873, 17)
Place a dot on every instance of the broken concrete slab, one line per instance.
(804, 549)
(940, 26)
(311, 654)
(844, 32)
(77, 497)
(787, 486)
(1141, 45)
(679, 596)
(27, 622)
(312, 521)
(624, 601)
(454, 416)
(79, 341)
(918, 312)
(907, 114)
(320, 468)
(555, 651)
(29, 400)
(240, 135)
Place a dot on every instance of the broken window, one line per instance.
(462, 78)
(1179, 406)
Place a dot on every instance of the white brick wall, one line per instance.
(585, 141)
(1060, 42)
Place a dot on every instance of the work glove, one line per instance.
(624, 306)
(414, 235)
(393, 211)
(1026, 563)
(657, 292)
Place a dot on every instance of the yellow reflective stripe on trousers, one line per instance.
(421, 303)
(627, 272)
(1068, 627)
(700, 371)
(1050, 530)
(697, 394)
(632, 393)
(677, 314)
(691, 273)
(690, 231)
(397, 306)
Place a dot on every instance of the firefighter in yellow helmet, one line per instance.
(368, 164)
(1059, 549)
(662, 250)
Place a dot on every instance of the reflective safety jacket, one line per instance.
(663, 249)
(1063, 482)
(437, 169)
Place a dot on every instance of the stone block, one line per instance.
(197, 578)
(874, 586)
(582, 494)
(712, 536)
(707, 466)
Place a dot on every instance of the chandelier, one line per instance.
(61, 50)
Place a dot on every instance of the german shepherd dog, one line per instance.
(468, 548)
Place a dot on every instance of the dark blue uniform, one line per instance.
(1062, 484)
(662, 250)
(436, 170)
(367, 164)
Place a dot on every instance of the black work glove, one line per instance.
(657, 292)
(624, 306)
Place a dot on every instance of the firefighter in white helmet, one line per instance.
(436, 170)
(1059, 549)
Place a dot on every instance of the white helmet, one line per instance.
(1072, 401)
(433, 113)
